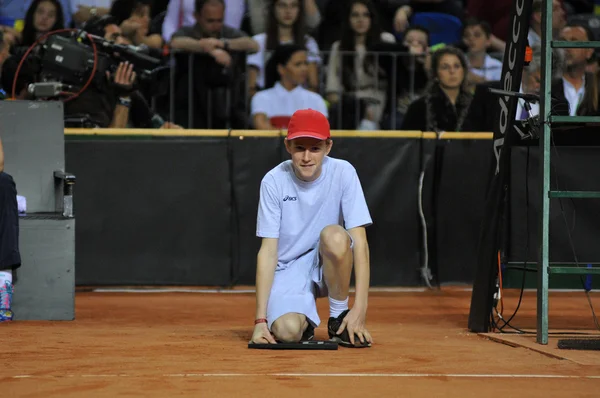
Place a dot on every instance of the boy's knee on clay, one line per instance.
(288, 328)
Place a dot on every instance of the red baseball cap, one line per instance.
(308, 123)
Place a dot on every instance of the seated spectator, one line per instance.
(43, 16)
(181, 13)
(477, 38)
(285, 25)
(351, 70)
(83, 10)
(446, 102)
(217, 92)
(209, 35)
(287, 72)
(578, 88)
(133, 17)
(12, 14)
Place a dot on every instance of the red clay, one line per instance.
(194, 344)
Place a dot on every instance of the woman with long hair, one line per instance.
(351, 70)
(446, 101)
(285, 25)
(43, 16)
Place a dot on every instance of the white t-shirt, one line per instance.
(492, 69)
(573, 96)
(295, 211)
(260, 58)
(279, 104)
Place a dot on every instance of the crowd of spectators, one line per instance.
(366, 64)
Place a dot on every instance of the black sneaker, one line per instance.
(309, 333)
(343, 339)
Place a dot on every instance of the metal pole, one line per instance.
(544, 147)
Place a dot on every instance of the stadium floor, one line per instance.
(193, 342)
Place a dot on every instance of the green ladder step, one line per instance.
(574, 270)
(574, 194)
(564, 268)
(575, 119)
(574, 44)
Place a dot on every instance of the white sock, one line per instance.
(5, 276)
(336, 307)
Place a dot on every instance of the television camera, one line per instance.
(71, 60)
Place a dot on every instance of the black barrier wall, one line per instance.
(182, 211)
(152, 212)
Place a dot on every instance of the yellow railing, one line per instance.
(257, 133)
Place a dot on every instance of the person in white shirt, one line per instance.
(286, 73)
(312, 215)
(482, 67)
(579, 88)
(285, 25)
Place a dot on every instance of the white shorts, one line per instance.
(297, 286)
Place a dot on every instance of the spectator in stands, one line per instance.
(287, 72)
(482, 66)
(10, 258)
(182, 13)
(133, 17)
(217, 92)
(258, 20)
(446, 102)
(43, 16)
(285, 24)
(12, 13)
(578, 88)
(352, 71)
(210, 35)
(534, 36)
(85, 9)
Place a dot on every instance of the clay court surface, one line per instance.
(195, 344)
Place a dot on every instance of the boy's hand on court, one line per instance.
(262, 335)
(355, 323)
